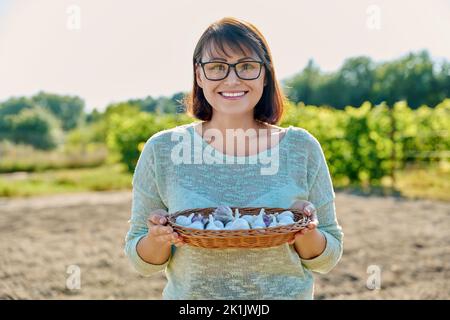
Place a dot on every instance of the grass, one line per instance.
(414, 182)
(107, 177)
(431, 182)
(25, 158)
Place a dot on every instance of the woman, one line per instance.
(235, 89)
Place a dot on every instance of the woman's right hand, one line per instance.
(159, 231)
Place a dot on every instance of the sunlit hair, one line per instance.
(237, 35)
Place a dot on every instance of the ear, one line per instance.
(198, 77)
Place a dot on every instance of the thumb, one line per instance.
(300, 204)
(158, 217)
(310, 209)
(292, 241)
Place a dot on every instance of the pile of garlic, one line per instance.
(222, 219)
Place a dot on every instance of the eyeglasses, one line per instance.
(246, 70)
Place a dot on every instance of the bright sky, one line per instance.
(115, 50)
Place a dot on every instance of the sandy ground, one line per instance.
(407, 240)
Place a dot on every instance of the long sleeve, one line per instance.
(145, 199)
(322, 195)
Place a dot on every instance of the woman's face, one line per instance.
(213, 89)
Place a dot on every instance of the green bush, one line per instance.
(126, 135)
(35, 126)
(367, 143)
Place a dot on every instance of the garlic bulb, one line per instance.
(229, 225)
(223, 213)
(239, 224)
(219, 224)
(212, 224)
(285, 220)
(196, 225)
(259, 223)
(267, 219)
(286, 214)
(249, 218)
(274, 223)
(183, 220)
(272, 220)
(198, 217)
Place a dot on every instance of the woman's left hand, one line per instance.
(310, 210)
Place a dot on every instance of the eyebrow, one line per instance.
(222, 59)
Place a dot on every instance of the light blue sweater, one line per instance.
(171, 175)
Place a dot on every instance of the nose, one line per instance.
(232, 76)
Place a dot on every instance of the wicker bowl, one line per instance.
(251, 238)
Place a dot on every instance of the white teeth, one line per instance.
(237, 94)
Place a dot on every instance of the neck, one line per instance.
(224, 122)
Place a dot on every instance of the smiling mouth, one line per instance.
(233, 95)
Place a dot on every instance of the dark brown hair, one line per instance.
(237, 34)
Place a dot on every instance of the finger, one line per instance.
(310, 209)
(157, 219)
(178, 243)
(313, 224)
(167, 238)
(300, 204)
(150, 222)
(295, 238)
(170, 238)
(296, 235)
(162, 220)
(305, 231)
(312, 217)
(160, 230)
(161, 238)
(174, 237)
(305, 206)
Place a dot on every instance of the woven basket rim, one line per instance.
(260, 232)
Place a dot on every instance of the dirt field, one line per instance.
(41, 237)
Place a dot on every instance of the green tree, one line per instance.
(147, 104)
(68, 109)
(303, 86)
(414, 78)
(36, 127)
(14, 105)
(410, 78)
